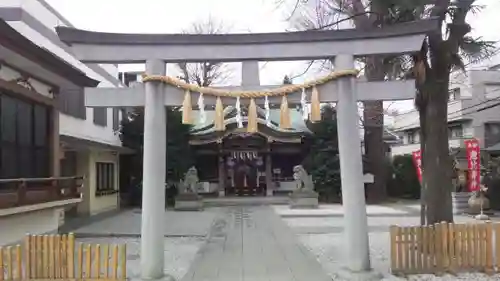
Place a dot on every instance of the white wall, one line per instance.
(409, 148)
(410, 119)
(86, 129)
(15, 227)
(86, 166)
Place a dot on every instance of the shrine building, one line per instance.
(234, 162)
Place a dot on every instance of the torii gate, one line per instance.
(158, 49)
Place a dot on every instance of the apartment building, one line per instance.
(88, 142)
(472, 113)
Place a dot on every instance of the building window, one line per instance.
(491, 134)
(116, 119)
(72, 102)
(105, 178)
(127, 78)
(454, 94)
(413, 136)
(492, 91)
(24, 139)
(101, 116)
(455, 132)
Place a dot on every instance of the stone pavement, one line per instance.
(330, 218)
(254, 244)
(128, 224)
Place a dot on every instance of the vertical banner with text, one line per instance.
(474, 164)
(417, 161)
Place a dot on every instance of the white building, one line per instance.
(472, 113)
(88, 142)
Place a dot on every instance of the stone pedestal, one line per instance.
(304, 199)
(475, 202)
(269, 192)
(222, 192)
(459, 202)
(188, 202)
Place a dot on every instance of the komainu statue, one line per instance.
(188, 198)
(190, 183)
(479, 201)
(303, 179)
(304, 195)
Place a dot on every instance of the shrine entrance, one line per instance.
(244, 164)
(245, 173)
(157, 91)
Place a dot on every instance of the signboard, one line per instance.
(417, 161)
(473, 163)
(368, 178)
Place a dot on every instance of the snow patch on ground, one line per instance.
(328, 247)
(179, 253)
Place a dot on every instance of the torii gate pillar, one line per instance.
(154, 175)
(353, 192)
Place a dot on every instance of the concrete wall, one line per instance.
(14, 227)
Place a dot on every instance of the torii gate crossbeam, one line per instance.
(156, 49)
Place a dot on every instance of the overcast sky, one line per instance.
(162, 16)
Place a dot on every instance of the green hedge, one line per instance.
(403, 182)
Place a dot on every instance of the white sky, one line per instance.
(163, 16)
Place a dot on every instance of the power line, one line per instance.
(460, 110)
(488, 107)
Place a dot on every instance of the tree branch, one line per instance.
(205, 73)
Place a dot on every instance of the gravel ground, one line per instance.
(179, 253)
(323, 236)
(326, 248)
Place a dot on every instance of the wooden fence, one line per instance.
(444, 248)
(58, 257)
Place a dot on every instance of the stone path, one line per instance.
(254, 244)
(128, 224)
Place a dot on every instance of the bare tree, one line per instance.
(334, 14)
(447, 49)
(206, 73)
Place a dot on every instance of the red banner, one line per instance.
(474, 164)
(417, 161)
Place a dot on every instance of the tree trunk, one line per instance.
(373, 122)
(423, 206)
(375, 149)
(436, 158)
